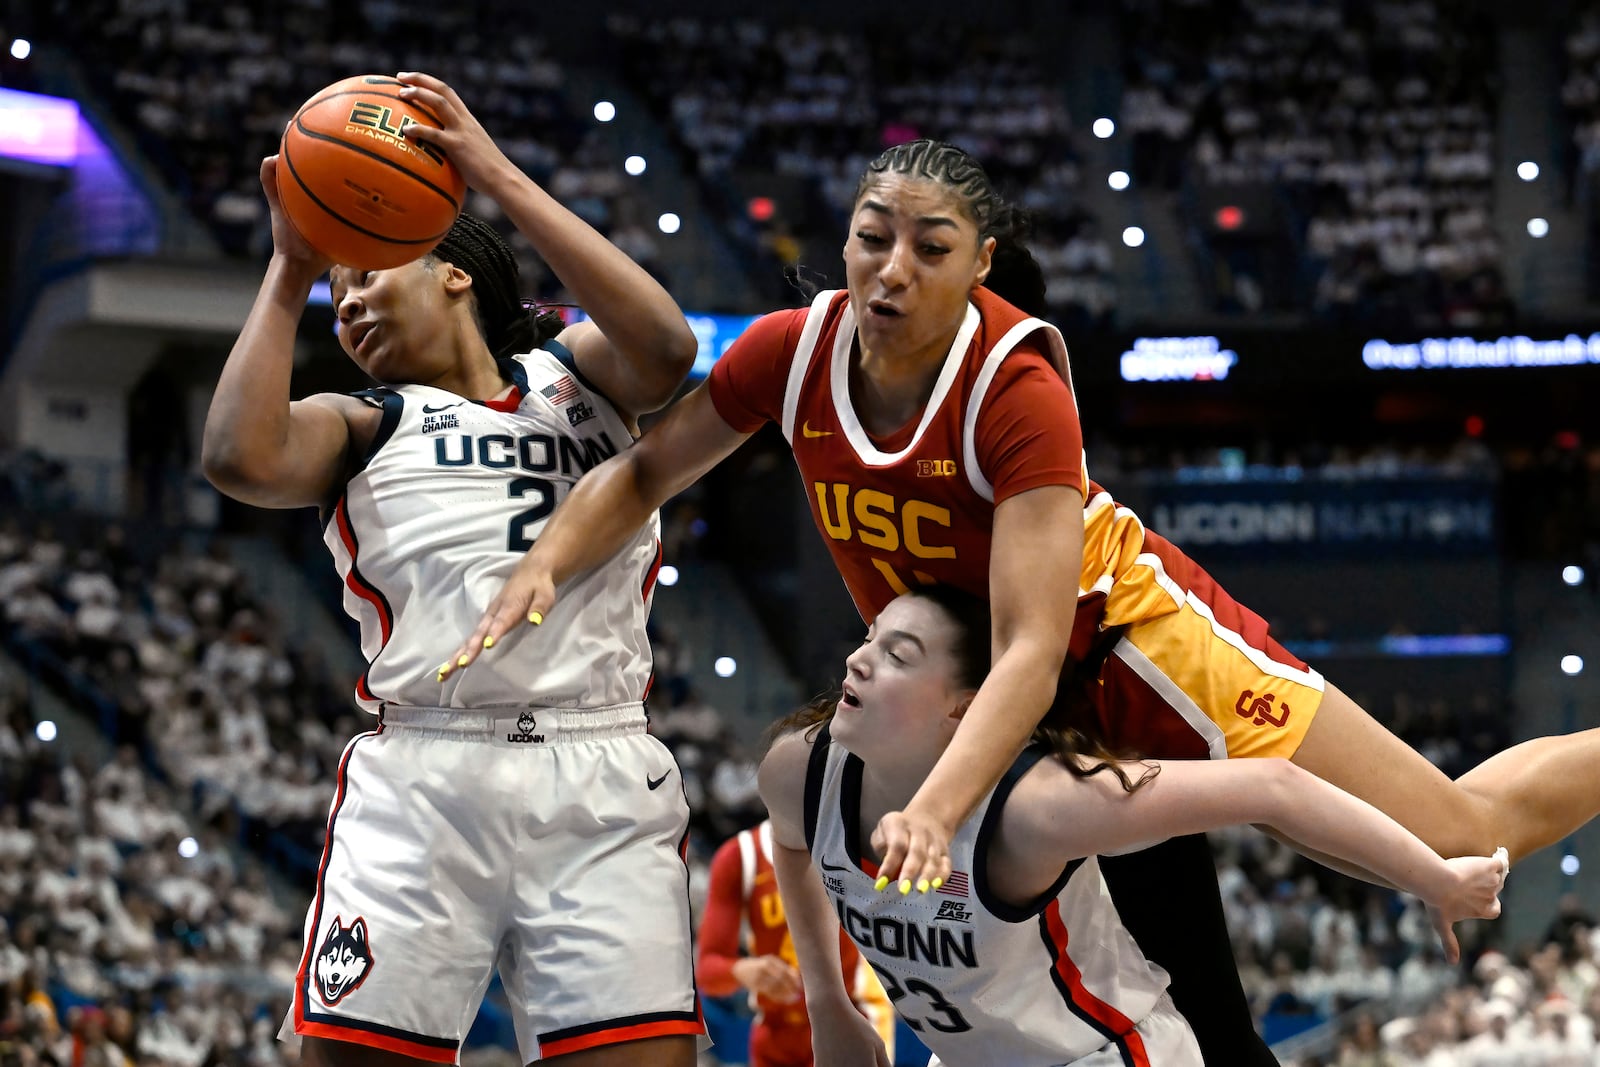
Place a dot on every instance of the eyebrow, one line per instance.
(925, 220)
(903, 635)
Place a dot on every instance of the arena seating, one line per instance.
(1331, 158)
(789, 116)
(208, 89)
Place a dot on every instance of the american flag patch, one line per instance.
(561, 391)
(955, 885)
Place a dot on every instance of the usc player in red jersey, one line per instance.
(744, 911)
(934, 426)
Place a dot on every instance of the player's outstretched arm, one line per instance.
(1194, 796)
(607, 507)
(258, 446)
(643, 347)
(840, 1034)
(1034, 568)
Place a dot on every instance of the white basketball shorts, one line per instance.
(546, 844)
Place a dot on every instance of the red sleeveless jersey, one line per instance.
(918, 506)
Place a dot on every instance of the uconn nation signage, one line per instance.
(1412, 516)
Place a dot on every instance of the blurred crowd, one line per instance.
(791, 115)
(1354, 144)
(208, 88)
(126, 936)
(1540, 1009)
(1360, 134)
(187, 668)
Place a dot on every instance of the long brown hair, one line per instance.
(1067, 730)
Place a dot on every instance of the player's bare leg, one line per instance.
(675, 1051)
(1525, 798)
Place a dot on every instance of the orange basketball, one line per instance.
(356, 190)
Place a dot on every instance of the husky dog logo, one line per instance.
(526, 724)
(342, 961)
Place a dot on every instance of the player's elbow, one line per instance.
(673, 361)
(1280, 787)
(222, 461)
(233, 471)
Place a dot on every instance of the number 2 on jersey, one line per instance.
(517, 539)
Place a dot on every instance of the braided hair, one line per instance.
(1014, 275)
(508, 325)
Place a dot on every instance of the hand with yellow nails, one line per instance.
(916, 851)
(525, 598)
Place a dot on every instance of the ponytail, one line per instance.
(1014, 275)
(508, 324)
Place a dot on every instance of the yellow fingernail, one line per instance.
(882, 883)
(462, 662)
(905, 886)
(442, 672)
(922, 885)
(937, 882)
(488, 641)
(536, 617)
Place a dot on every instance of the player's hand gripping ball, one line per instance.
(356, 189)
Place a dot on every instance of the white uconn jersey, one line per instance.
(452, 493)
(979, 981)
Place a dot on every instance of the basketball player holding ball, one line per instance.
(517, 818)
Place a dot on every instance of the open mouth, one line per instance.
(849, 699)
(359, 334)
(883, 309)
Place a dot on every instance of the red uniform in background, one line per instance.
(744, 912)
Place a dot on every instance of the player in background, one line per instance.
(1020, 959)
(933, 422)
(513, 820)
(744, 943)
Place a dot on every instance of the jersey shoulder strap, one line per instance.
(804, 349)
(747, 863)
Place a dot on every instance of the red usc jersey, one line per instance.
(918, 505)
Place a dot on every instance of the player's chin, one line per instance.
(846, 721)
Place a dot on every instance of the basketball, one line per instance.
(354, 188)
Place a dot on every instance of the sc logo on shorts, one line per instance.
(1260, 709)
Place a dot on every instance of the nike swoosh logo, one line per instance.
(830, 867)
(429, 409)
(806, 429)
(655, 782)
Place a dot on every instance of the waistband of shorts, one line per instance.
(545, 726)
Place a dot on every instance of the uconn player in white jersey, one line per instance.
(509, 816)
(1020, 959)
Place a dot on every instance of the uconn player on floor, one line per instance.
(1020, 958)
(512, 816)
